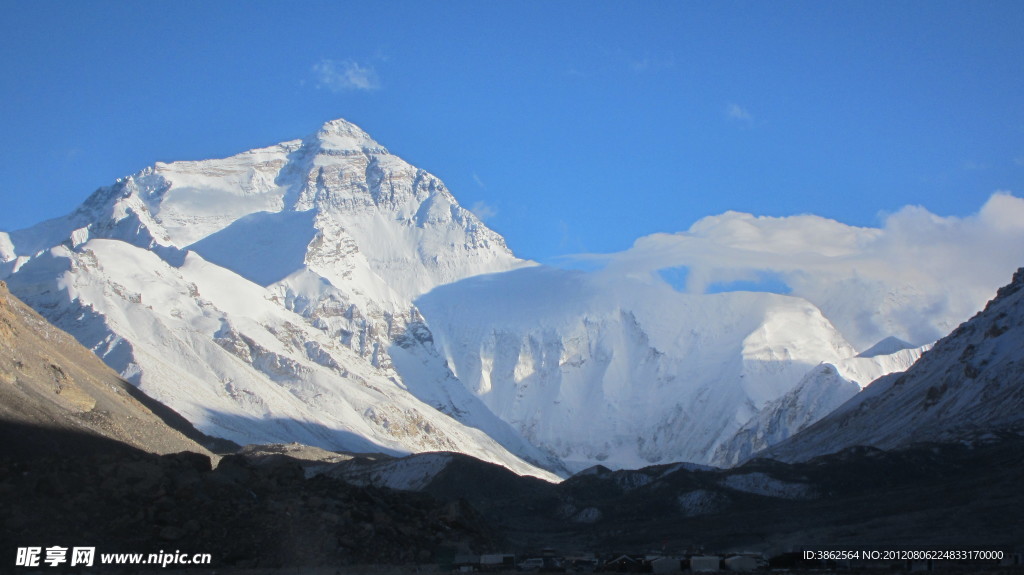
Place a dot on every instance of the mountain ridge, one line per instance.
(323, 290)
(969, 383)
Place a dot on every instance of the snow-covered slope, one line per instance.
(410, 473)
(264, 296)
(821, 391)
(619, 371)
(970, 383)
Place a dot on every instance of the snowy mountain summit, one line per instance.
(264, 296)
(325, 291)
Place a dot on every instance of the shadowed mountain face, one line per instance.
(72, 401)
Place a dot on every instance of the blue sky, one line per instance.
(571, 126)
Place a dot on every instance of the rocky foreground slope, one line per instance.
(71, 399)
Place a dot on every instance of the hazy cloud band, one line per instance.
(916, 277)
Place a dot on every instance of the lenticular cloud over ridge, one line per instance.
(916, 277)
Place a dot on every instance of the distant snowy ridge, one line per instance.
(888, 346)
(969, 384)
(821, 391)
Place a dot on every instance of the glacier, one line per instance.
(627, 372)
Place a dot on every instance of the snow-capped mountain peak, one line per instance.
(323, 290)
(343, 136)
(887, 346)
(264, 295)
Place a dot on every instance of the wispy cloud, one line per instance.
(738, 113)
(916, 277)
(569, 240)
(345, 76)
(483, 210)
(652, 63)
(640, 63)
(479, 182)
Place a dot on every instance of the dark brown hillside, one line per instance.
(49, 382)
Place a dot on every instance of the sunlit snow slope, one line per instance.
(821, 390)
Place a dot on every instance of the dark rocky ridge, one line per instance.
(244, 516)
(928, 495)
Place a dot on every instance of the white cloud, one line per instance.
(738, 113)
(646, 63)
(478, 181)
(345, 76)
(641, 65)
(915, 277)
(569, 240)
(483, 210)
